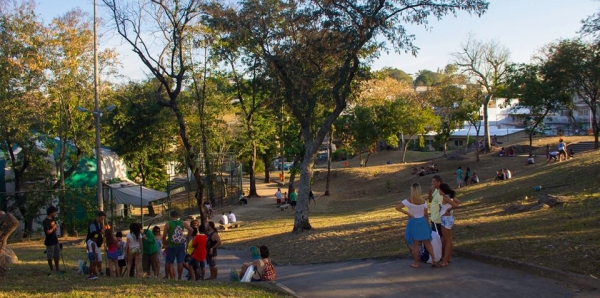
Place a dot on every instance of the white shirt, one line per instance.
(508, 174)
(232, 217)
(416, 211)
(445, 206)
(278, 194)
(133, 243)
(224, 219)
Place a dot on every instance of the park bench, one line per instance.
(284, 206)
(236, 224)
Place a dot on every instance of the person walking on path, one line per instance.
(417, 228)
(212, 243)
(51, 241)
(449, 202)
(174, 240)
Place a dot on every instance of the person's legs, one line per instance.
(155, 263)
(190, 268)
(146, 264)
(429, 248)
(415, 253)
(447, 246)
(138, 265)
(202, 271)
(180, 256)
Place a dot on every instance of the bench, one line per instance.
(236, 224)
(284, 206)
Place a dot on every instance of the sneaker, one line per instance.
(92, 278)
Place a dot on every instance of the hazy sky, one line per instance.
(523, 26)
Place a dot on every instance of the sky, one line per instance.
(522, 26)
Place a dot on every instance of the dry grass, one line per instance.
(358, 220)
(30, 278)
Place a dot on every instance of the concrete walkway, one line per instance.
(395, 278)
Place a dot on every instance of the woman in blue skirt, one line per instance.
(417, 228)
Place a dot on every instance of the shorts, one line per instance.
(134, 251)
(436, 227)
(149, 261)
(293, 203)
(91, 257)
(197, 264)
(176, 253)
(53, 252)
(122, 263)
(112, 255)
(448, 221)
(211, 260)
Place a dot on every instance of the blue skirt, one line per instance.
(417, 229)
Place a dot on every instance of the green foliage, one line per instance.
(339, 154)
(428, 78)
(394, 73)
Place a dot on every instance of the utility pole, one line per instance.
(97, 116)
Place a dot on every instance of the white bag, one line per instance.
(248, 274)
(436, 243)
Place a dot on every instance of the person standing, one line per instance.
(174, 239)
(51, 241)
(562, 149)
(232, 217)
(467, 176)
(459, 177)
(293, 198)
(150, 254)
(134, 248)
(435, 200)
(417, 228)
(278, 196)
(212, 243)
(96, 227)
(449, 202)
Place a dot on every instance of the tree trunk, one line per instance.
(328, 165)
(8, 224)
(486, 127)
(293, 175)
(301, 221)
(252, 171)
(445, 150)
(265, 159)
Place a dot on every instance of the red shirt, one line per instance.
(199, 245)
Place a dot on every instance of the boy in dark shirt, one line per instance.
(51, 241)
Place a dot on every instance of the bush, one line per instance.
(339, 154)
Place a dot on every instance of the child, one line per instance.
(94, 255)
(449, 202)
(198, 255)
(112, 253)
(417, 228)
(121, 251)
(158, 240)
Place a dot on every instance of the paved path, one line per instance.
(394, 278)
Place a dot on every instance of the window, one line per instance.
(458, 143)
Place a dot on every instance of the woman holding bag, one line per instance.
(417, 228)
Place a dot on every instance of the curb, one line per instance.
(577, 279)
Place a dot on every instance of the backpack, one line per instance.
(269, 272)
(178, 236)
(89, 236)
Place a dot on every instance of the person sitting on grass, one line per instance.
(530, 160)
(499, 175)
(474, 179)
(571, 153)
(263, 268)
(511, 152)
(422, 172)
(501, 152)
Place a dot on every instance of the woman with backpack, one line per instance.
(263, 268)
(417, 228)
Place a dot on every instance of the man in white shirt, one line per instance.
(224, 220)
(232, 218)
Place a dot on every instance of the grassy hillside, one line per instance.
(358, 219)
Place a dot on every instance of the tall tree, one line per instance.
(485, 63)
(576, 63)
(158, 32)
(314, 49)
(428, 78)
(22, 105)
(394, 73)
(537, 92)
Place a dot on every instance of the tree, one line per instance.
(158, 32)
(394, 73)
(428, 78)
(314, 51)
(575, 63)
(485, 63)
(22, 105)
(417, 118)
(537, 92)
